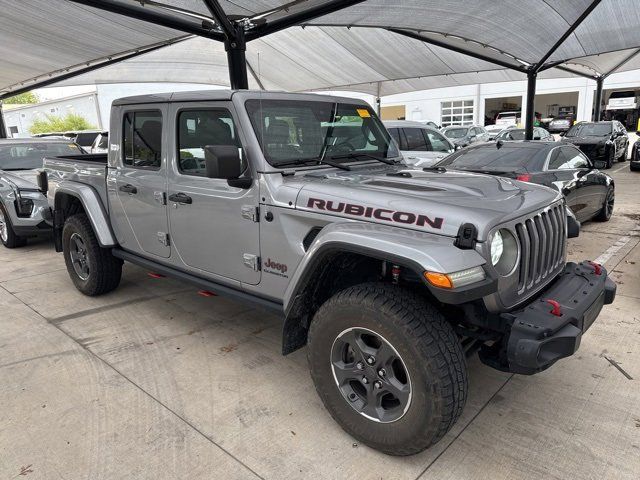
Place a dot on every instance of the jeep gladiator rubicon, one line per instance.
(301, 204)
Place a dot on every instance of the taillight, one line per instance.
(524, 177)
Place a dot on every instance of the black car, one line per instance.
(634, 164)
(607, 141)
(589, 192)
(539, 133)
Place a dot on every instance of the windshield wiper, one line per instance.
(362, 154)
(316, 161)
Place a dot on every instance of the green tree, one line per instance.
(26, 97)
(54, 123)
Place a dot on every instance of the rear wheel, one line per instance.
(607, 207)
(7, 236)
(92, 269)
(388, 367)
(611, 157)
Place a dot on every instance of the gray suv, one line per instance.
(391, 275)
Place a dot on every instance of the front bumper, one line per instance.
(551, 326)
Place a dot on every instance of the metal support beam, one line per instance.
(236, 58)
(3, 129)
(530, 110)
(566, 34)
(299, 18)
(153, 15)
(218, 14)
(52, 78)
(438, 43)
(623, 62)
(598, 108)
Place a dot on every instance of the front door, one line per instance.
(140, 182)
(214, 227)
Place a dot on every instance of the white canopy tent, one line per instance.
(380, 47)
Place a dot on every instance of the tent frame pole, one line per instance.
(530, 111)
(597, 112)
(3, 129)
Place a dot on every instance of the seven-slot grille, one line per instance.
(542, 239)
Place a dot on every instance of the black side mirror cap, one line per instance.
(43, 182)
(240, 182)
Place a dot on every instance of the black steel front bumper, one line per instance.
(551, 327)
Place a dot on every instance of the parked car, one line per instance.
(560, 124)
(513, 117)
(634, 164)
(101, 143)
(589, 193)
(419, 144)
(607, 141)
(84, 138)
(463, 136)
(23, 208)
(389, 274)
(494, 130)
(511, 134)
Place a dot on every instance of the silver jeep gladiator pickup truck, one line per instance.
(301, 204)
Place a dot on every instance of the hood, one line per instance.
(421, 200)
(586, 140)
(21, 178)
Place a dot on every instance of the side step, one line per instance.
(201, 283)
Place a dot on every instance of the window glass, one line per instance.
(567, 159)
(437, 141)
(142, 139)
(456, 113)
(589, 130)
(488, 158)
(302, 131)
(198, 129)
(415, 139)
(29, 155)
(395, 133)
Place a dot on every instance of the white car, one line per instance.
(420, 145)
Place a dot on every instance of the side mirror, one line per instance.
(43, 182)
(600, 164)
(224, 161)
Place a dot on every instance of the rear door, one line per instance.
(140, 182)
(214, 227)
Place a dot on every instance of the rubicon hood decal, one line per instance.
(383, 214)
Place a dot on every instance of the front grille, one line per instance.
(542, 239)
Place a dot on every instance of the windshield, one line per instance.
(589, 130)
(511, 135)
(487, 159)
(300, 131)
(455, 132)
(27, 156)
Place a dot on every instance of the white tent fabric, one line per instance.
(43, 37)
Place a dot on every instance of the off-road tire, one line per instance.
(606, 211)
(12, 240)
(428, 346)
(105, 270)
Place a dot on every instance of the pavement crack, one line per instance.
(617, 365)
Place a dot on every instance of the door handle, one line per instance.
(181, 198)
(130, 189)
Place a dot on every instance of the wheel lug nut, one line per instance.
(381, 372)
(371, 360)
(365, 380)
(360, 365)
(377, 384)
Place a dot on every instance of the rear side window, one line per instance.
(142, 139)
(437, 141)
(395, 133)
(415, 139)
(567, 158)
(198, 129)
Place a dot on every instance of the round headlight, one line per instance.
(504, 251)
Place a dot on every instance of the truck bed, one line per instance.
(89, 169)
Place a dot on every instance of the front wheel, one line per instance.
(607, 207)
(388, 367)
(7, 236)
(92, 269)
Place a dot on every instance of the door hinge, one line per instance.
(251, 212)
(163, 238)
(251, 261)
